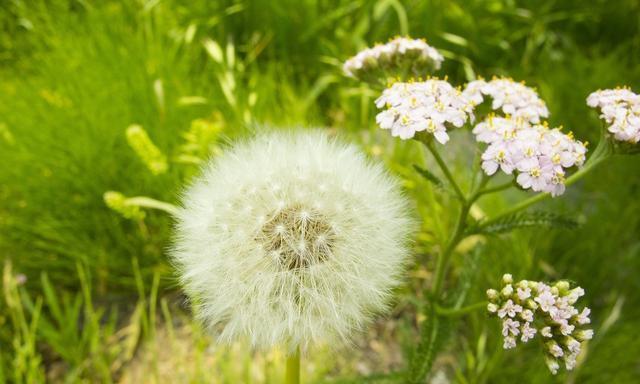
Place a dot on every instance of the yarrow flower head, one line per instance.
(538, 154)
(398, 57)
(620, 108)
(291, 238)
(512, 98)
(433, 106)
(530, 308)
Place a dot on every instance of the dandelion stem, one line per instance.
(293, 368)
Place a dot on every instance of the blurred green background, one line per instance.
(88, 295)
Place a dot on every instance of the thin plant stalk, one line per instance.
(292, 375)
(147, 202)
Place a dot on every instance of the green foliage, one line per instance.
(429, 176)
(197, 74)
(525, 220)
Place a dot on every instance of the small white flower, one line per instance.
(492, 294)
(546, 332)
(546, 300)
(552, 364)
(583, 317)
(510, 326)
(554, 349)
(527, 332)
(497, 157)
(527, 315)
(524, 293)
(570, 361)
(507, 290)
(509, 309)
(565, 328)
(491, 307)
(509, 342)
(583, 334)
(574, 295)
(572, 345)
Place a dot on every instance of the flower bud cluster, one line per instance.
(423, 106)
(530, 308)
(513, 98)
(121, 204)
(150, 155)
(620, 108)
(540, 155)
(397, 57)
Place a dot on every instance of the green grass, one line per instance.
(75, 74)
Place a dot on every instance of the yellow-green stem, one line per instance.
(147, 202)
(293, 368)
(444, 256)
(443, 166)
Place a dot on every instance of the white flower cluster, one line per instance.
(398, 56)
(513, 98)
(423, 106)
(621, 109)
(527, 308)
(539, 154)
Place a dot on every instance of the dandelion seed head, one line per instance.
(315, 256)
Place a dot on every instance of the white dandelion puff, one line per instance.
(290, 239)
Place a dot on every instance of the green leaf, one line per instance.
(434, 334)
(526, 220)
(429, 176)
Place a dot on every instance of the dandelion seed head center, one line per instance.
(298, 237)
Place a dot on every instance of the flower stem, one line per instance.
(497, 188)
(147, 202)
(293, 368)
(443, 166)
(443, 258)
